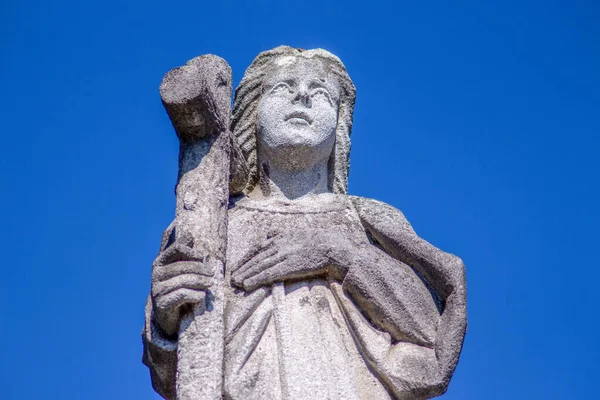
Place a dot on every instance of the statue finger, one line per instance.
(266, 260)
(185, 281)
(265, 277)
(284, 270)
(180, 297)
(240, 276)
(163, 272)
(256, 258)
(177, 252)
(255, 251)
(273, 238)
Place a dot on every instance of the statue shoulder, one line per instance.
(378, 216)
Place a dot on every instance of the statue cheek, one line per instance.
(271, 111)
(326, 122)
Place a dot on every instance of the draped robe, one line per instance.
(310, 339)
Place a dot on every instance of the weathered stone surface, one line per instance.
(185, 311)
(296, 290)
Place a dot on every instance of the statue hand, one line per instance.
(179, 278)
(301, 254)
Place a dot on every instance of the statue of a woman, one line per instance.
(327, 296)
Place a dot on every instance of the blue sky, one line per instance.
(479, 120)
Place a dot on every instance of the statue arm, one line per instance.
(391, 296)
(444, 274)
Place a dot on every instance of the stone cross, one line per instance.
(272, 282)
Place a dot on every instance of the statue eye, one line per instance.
(320, 94)
(281, 88)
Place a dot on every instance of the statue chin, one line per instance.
(294, 155)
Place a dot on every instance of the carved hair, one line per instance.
(245, 112)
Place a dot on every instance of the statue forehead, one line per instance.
(299, 63)
(309, 68)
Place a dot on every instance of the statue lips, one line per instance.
(300, 118)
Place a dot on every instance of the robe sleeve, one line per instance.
(415, 304)
(392, 297)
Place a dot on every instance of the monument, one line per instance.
(272, 282)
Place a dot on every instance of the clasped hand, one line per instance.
(290, 256)
(180, 277)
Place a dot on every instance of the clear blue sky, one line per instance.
(479, 120)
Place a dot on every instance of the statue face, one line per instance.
(297, 114)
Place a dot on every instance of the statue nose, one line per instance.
(302, 97)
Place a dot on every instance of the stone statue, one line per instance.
(272, 282)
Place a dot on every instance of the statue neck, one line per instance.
(281, 183)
